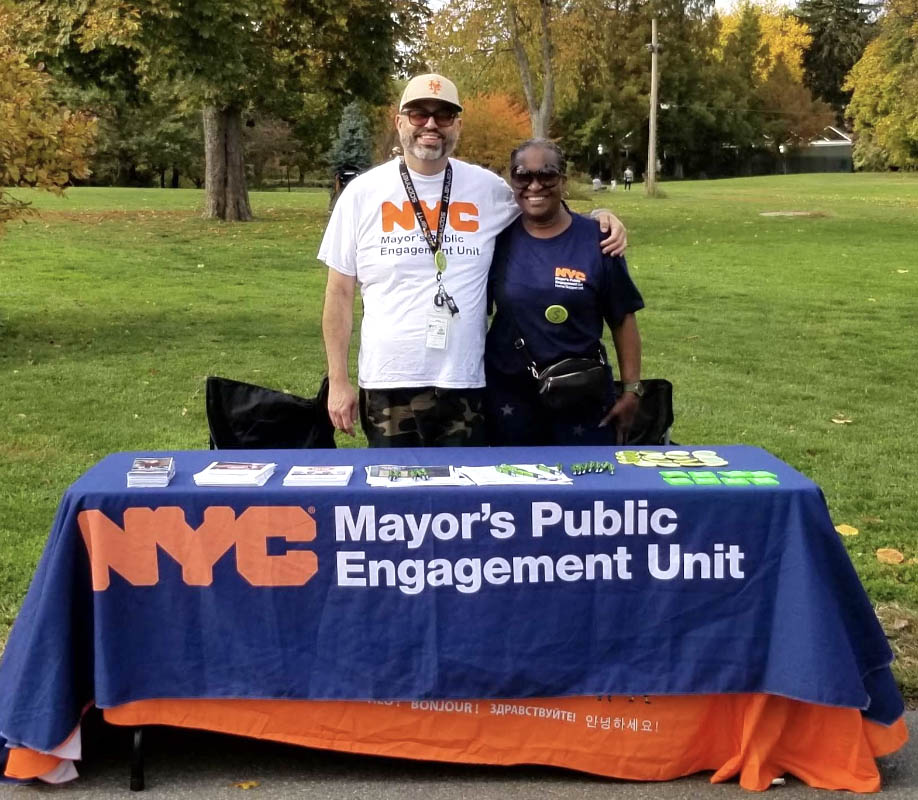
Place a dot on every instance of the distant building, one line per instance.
(829, 152)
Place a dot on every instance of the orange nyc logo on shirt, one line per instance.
(462, 216)
(568, 272)
(132, 552)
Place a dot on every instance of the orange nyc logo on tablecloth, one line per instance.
(132, 550)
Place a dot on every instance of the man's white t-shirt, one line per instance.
(373, 235)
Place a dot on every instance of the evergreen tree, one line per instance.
(840, 30)
(353, 149)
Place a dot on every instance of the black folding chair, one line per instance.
(245, 416)
(654, 421)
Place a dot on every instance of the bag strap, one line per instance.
(519, 343)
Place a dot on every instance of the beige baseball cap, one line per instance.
(430, 87)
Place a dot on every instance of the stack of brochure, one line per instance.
(234, 473)
(151, 472)
(318, 476)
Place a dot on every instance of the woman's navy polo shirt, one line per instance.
(528, 275)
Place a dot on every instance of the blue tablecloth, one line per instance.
(613, 585)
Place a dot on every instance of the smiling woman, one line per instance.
(553, 288)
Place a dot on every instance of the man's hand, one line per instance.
(342, 406)
(622, 415)
(617, 240)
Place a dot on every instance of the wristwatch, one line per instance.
(637, 387)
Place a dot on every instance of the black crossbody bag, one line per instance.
(568, 382)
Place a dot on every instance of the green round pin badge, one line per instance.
(556, 314)
(440, 260)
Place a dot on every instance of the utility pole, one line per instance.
(650, 174)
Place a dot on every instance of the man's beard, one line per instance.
(411, 145)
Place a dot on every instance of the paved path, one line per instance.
(208, 766)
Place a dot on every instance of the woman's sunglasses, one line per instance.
(547, 177)
(444, 117)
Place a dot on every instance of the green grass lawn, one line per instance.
(116, 303)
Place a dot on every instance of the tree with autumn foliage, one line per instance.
(765, 45)
(790, 114)
(884, 92)
(277, 56)
(496, 44)
(492, 125)
(783, 36)
(41, 144)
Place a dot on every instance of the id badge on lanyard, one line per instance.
(437, 329)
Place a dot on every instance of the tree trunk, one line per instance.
(175, 178)
(225, 193)
(547, 110)
(540, 111)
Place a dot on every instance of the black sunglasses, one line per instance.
(547, 177)
(444, 117)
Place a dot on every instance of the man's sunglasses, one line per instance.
(444, 117)
(547, 177)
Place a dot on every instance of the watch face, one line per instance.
(637, 388)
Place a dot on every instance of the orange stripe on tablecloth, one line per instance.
(24, 764)
(754, 736)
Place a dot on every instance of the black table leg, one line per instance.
(137, 761)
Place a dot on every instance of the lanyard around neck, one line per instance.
(433, 242)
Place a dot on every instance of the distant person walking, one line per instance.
(628, 176)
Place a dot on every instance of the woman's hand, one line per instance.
(622, 415)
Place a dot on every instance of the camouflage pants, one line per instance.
(423, 417)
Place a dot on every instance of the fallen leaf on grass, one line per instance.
(245, 784)
(871, 520)
(902, 271)
(887, 555)
(847, 530)
(841, 419)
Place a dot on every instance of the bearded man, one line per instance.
(417, 235)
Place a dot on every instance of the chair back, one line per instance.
(248, 417)
(654, 421)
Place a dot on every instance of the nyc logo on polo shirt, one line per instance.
(569, 278)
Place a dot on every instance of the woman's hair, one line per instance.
(545, 144)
